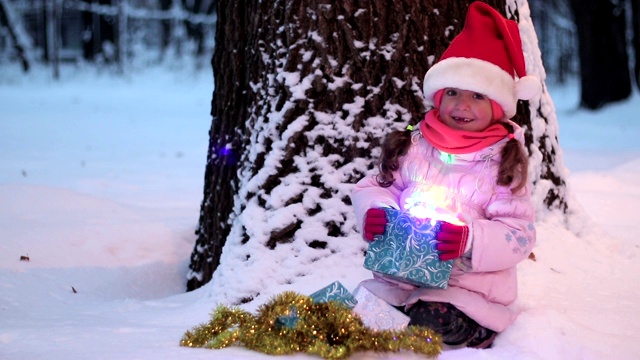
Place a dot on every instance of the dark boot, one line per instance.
(455, 326)
(483, 339)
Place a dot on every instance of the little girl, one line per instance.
(465, 158)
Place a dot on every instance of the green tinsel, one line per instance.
(329, 329)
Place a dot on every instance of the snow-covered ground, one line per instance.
(101, 181)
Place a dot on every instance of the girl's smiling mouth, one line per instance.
(461, 119)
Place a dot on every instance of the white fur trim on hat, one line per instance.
(474, 75)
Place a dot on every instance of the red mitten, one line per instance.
(452, 240)
(374, 222)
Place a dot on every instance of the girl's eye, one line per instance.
(451, 92)
(478, 96)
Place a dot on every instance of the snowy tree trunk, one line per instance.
(305, 91)
(546, 166)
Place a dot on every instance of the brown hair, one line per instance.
(394, 146)
(514, 165)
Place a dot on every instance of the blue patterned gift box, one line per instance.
(406, 252)
(334, 291)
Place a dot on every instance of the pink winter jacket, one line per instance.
(483, 282)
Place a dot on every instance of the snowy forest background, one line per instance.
(122, 38)
(123, 33)
(120, 34)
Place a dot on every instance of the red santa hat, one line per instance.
(486, 57)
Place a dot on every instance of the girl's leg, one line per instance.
(455, 326)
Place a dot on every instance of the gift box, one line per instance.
(335, 291)
(332, 292)
(289, 320)
(376, 313)
(406, 252)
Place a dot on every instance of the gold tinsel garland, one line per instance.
(292, 322)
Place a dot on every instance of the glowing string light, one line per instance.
(446, 157)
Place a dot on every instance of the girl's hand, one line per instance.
(374, 223)
(453, 241)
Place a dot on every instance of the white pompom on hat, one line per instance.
(486, 57)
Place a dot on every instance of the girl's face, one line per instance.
(465, 110)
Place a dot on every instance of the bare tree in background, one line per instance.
(99, 30)
(11, 20)
(196, 31)
(604, 61)
(556, 31)
(176, 32)
(635, 38)
(113, 32)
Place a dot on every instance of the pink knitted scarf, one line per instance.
(454, 141)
